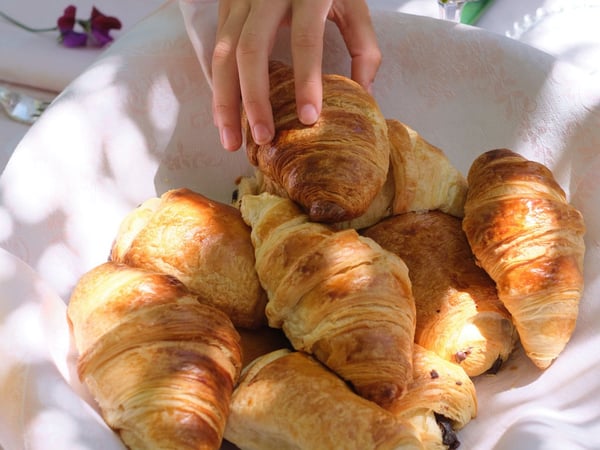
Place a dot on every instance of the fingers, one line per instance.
(308, 28)
(353, 19)
(245, 35)
(254, 48)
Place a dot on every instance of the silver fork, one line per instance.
(21, 107)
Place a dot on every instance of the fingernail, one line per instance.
(261, 134)
(229, 139)
(308, 114)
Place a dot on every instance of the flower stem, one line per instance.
(25, 27)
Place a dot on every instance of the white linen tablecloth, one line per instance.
(35, 64)
(137, 121)
(36, 59)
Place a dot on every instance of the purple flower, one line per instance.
(96, 28)
(95, 31)
(66, 23)
(100, 27)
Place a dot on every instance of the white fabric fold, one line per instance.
(201, 26)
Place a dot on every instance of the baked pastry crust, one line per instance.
(527, 236)
(333, 168)
(441, 391)
(424, 177)
(420, 178)
(160, 364)
(288, 400)
(203, 243)
(459, 314)
(336, 295)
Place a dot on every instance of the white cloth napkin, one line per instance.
(37, 59)
(138, 121)
(567, 29)
(39, 408)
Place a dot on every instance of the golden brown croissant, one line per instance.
(459, 315)
(420, 178)
(424, 177)
(203, 243)
(334, 168)
(288, 400)
(526, 235)
(440, 400)
(337, 295)
(161, 365)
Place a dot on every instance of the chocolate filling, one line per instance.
(449, 437)
(461, 355)
(495, 367)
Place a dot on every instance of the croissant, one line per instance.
(420, 178)
(204, 243)
(424, 177)
(288, 400)
(336, 295)
(440, 400)
(459, 314)
(526, 235)
(160, 364)
(333, 168)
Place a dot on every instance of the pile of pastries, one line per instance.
(345, 299)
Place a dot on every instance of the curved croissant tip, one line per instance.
(328, 212)
(542, 363)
